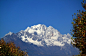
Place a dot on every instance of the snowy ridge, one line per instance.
(41, 35)
(10, 33)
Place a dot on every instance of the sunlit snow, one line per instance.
(45, 35)
(32, 41)
(10, 33)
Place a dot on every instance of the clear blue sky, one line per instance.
(16, 15)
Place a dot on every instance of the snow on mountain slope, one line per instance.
(41, 35)
(40, 40)
(10, 33)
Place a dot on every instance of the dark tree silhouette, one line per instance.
(9, 49)
(79, 30)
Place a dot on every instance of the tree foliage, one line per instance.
(79, 30)
(9, 49)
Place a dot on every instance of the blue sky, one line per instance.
(16, 15)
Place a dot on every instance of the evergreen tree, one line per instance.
(79, 30)
(9, 49)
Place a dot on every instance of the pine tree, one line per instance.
(79, 30)
(9, 49)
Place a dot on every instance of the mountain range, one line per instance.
(39, 40)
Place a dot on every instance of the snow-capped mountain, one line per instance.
(41, 35)
(41, 39)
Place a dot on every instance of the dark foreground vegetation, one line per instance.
(79, 30)
(9, 49)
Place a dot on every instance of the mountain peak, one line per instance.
(40, 27)
(10, 33)
(41, 35)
